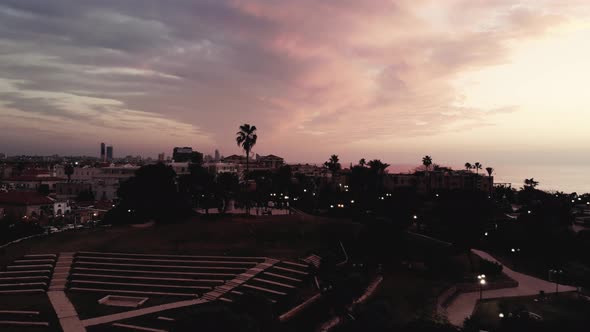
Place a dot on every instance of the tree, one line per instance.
(68, 171)
(85, 196)
(477, 167)
(377, 166)
(530, 183)
(427, 161)
(333, 164)
(152, 195)
(228, 185)
(490, 170)
(468, 166)
(362, 162)
(246, 139)
(377, 171)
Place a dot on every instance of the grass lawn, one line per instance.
(566, 308)
(36, 302)
(289, 236)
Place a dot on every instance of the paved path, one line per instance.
(68, 317)
(462, 307)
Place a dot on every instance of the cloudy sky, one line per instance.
(499, 81)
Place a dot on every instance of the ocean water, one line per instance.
(566, 178)
(574, 178)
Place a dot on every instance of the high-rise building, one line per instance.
(161, 156)
(102, 152)
(110, 153)
(186, 154)
(216, 155)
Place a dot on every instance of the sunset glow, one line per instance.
(388, 79)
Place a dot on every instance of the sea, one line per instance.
(564, 178)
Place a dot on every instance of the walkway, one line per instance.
(68, 317)
(463, 306)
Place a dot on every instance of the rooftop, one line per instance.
(24, 198)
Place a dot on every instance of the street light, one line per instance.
(501, 315)
(556, 273)
(482, 282)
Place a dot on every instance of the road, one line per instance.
(463, 305)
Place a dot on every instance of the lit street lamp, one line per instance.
(482, 282)
(555, 273)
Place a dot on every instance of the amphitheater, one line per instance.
(105, 291)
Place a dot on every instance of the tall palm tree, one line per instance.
(477, 167)
(246, 139)
(468, 166)
(490, 170)
(362, 162)
(427, 162)
(333, 164)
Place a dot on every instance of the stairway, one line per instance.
(59, 278)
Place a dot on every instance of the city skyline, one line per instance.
(461, 80)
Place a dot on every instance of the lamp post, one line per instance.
(482, 282)
(556, 273)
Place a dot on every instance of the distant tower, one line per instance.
(110, 153)
(216, 155)
(161, 156)
(102, 152)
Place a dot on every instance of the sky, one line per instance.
(502, 82)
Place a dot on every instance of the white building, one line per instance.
(217, 168)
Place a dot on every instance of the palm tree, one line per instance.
(468, 166)
(378, 166)
(477, 167)
(362, 162)
(377, 169)
(333, 164)
(490, 170)
(246, 139)
(531, 183)
(427, 161)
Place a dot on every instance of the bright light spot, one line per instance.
(415, 217)
(513, 250)
(331, 206)
(128, 210)
(304, 190)
(352, 201)
(486, 233)
(501, 315)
